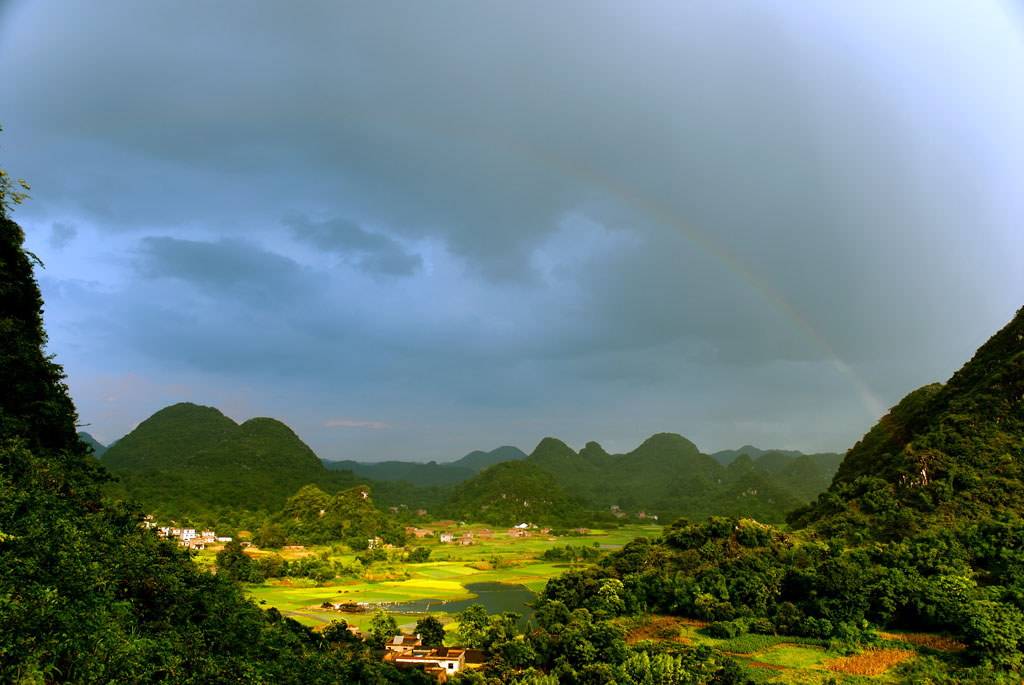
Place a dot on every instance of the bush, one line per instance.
(723, 630)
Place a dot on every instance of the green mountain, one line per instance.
(577, 474)
(514, 492)
(803, 477)
(478, 460)
(776, 461)
(167, 437)
(190, 459)
(726, 457)
(668, 476)
(98, 448)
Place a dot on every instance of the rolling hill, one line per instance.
(669, 477)
(514, 492)
(188, 458)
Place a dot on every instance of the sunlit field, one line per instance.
(443, 577)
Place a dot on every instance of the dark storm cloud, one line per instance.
(525, 206)
(371, 251)
(228, 265)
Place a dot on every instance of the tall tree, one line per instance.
(431, 631)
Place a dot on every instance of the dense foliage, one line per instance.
(669, 477)
(310, 516)
(511, 493)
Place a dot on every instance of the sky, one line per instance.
(413, 230)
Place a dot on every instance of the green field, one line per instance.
(443, 577)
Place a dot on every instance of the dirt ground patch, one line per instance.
(774, 667)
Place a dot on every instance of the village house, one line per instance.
(417, 532)
(187, 537)
(405, 651)
(440, 662)
(447, 537)
(403, 644)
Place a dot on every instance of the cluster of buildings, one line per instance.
(186, 537)
(467, 538)
(408, 650)
(619, 514)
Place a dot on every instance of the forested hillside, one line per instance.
(192, 460)
(312, 517)
(515, 492)
(669, 477)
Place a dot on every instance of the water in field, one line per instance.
(496, 598)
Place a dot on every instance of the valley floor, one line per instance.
(444, 577)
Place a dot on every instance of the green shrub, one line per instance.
(723, 630)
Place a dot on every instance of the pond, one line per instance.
(496, 598)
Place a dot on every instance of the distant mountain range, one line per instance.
(430, 473)
(773, 461)
(188, 458)
(668, 476)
